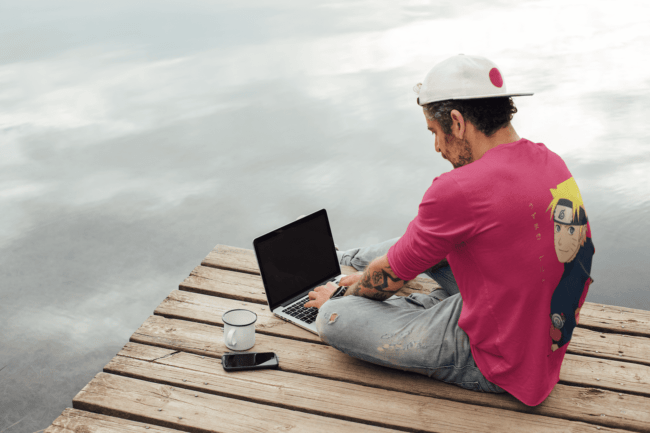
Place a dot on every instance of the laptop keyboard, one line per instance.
(297, 310)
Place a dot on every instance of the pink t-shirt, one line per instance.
(515, 232)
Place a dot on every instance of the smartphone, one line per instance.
(249, 361)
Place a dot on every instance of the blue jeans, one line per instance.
(418, 333)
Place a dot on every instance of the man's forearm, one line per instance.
(378, 282)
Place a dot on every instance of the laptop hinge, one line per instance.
(295, 298)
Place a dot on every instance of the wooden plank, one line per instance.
(78, 421)
(249, 288)
(225, 284)
(332, 398)
(232, 258)
(209, 309)
(594, 316)
(325, 361)
(606, 374)
(242, 260)
(611, 346)
(195, 411)
(602, 317)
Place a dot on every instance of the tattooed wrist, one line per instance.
(352, 290)
(378, 282)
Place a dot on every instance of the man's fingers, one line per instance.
(320, 295)
(313, 303)
(350, 279)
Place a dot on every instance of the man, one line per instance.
(487, 329)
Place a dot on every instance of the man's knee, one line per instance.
(327, 319)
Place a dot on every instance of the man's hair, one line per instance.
(488, 115)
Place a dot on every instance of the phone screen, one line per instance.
(249, 359)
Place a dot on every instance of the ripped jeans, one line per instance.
(418, 333)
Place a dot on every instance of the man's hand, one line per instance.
(349, 280)
(320, 295)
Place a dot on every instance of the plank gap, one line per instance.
(601, 389)
(590, 413)
(206, 310)
(142, 401)
(236, 297)
(257, 331)
(263, 402)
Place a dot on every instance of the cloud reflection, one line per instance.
(136, 136)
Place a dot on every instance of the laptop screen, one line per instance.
(297, 257)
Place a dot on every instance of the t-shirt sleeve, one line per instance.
(444, 220)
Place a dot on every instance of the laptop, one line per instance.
(293, 260)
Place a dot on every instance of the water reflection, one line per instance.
(135, 137)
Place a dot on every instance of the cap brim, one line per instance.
(502, 95)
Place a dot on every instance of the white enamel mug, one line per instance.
(239, 329)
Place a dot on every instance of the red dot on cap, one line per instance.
(495, 77)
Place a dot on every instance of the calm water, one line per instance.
(136, 136)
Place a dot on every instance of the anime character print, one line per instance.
(574, 250)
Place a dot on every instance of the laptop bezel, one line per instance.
(270, 234)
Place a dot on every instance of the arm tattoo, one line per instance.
(374, 284)
(380, 281)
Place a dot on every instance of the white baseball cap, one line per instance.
(463, 77)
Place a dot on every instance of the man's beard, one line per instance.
(464, 151)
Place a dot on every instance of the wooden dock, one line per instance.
(169, 376)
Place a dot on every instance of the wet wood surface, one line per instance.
(169, 376)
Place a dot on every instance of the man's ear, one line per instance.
(583, 235)
(457, 124)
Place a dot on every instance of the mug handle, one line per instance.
(230, 338)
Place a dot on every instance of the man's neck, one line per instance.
(481, 143)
